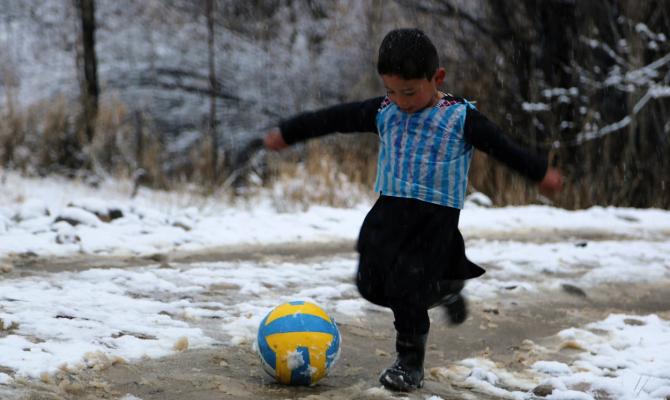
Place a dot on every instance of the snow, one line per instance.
(295, 360)
(88, 312)
(131, 313)
(624, 357)
(159, 222)
(552, 368)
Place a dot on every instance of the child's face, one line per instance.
(412, 95)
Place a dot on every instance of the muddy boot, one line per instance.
(457, 310)
(406, 373)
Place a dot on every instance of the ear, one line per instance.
(439, 76)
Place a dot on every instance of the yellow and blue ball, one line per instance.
(298, 343)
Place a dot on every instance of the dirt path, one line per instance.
(29, 263)
(498, 329)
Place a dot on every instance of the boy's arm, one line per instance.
(357, 116)
(488, 137)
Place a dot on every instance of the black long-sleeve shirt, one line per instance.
(360, 116)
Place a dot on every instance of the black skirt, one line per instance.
(411, 252)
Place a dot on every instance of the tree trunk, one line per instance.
(90, 86)
(213, 87)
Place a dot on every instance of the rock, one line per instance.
(109, 215)
(67, 238)
(99, 208)
(76, 216)
(65, 233)
(139, 335)
(572, 345)
(158, 257)
(183, 225)
(543, 390)
(115, 213)
(573, 290)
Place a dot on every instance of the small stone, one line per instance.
(572, 289)
(572, 345)
(115, 213)
(182, 225)
(633, 322)
(543, 390)
(160, 258)
(77, 216)
(67, 238)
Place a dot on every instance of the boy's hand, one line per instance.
(552, 182)
(273, 140)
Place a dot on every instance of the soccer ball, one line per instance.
(298, 343)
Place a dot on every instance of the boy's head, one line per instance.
(407, 53)
(409, 66)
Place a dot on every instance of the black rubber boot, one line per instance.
(457, 310)
(406, 373)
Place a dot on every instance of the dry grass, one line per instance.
(321, 174)
(47, 137)
(338, 170)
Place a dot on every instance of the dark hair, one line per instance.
(408, 53)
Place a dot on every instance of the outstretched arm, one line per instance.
(344, 118)
(552, 182)
(489, 138)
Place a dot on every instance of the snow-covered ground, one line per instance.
(57, 320)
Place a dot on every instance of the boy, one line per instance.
(411, 253)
